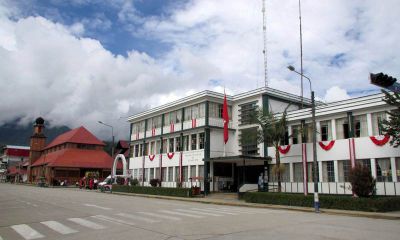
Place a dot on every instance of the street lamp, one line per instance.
(316, 198)
(112, 148)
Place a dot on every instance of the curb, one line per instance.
(373, 215)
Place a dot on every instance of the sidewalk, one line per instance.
(241, 203)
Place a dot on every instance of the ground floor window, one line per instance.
(164, 174)
(177, 174)
(170, 174)
(185, 173)
(364, 162)
(398, 169)
(151, 173)
(192, 171)
(135, 174)
(298, 172)
(310, 171)
(285, 173)
(344, 167)
(201, 171)
(383, 170)
(328, 171)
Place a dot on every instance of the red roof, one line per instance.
(76, 158)
(17, 152)
(77, 135)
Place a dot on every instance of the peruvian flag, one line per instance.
(225, 116)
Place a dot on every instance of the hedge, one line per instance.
(176, 192)
(373, 204)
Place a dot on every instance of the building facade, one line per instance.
(181, 143)
(12, 163)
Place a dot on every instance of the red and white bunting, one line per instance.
(151, 157)
(172, 128)
(380, 140)
(328, 146)
(170, 155)
(284, 150)
(193, 123)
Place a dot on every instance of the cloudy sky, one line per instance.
(79, 61)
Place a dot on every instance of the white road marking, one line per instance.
(87, 223)
(160, 216)
(102, 217)
(27, 232)
(136, 217)
(58, 227)
(235, 210)
(181, 214)
(198, 212)
(214, 211)
(95, 206)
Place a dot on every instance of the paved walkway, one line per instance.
(229, 201)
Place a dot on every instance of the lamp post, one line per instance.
(316, 198)
(112, 148)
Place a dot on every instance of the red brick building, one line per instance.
(68, 157)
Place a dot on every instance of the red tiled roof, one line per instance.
(123, 144)
(76, 158)
(17, 152)
(77, 135)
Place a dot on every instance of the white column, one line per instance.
(373, 167)
(320, 171)
(333, 128)
(393, 164)
(318, 126)
(336, 169)
(291, 172)
(173, 174)
(369, 124)
(290, 134)
(190, 142)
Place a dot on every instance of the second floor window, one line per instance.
(247, 112)
(201, 141)
(178, 144)
(171, 145)
(326, 130)
(194, 142)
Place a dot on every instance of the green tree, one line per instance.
(273, 132)
(392, 126)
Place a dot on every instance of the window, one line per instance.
(135, 174)
(170, 174)
(286, 172)
(194, 142)
(140, 149)
(178, 116)
(376, 122)
(142, 125)
(246, 112)
(185, 173)
(201, 141)
(201, 171)
(195, 111)
(360, 126)
(177, 174)
(328, 171)
(178, 146)
(157, 173)
(136, 150)
(158, 146)
(188, 113)
(202, 110)
(306, 135)
(398, 169)
(171, 145)
(166, 119)
(192, 171)
(186, 143)
(164, 174)
(298, 172)
(152, 147)
(310, 168)
(146, 171)
(296, 134)
(146, 149)
(342, 128)
(272, 177)
(151, 173)
(383, 170)
(344, 167)
(286, 138)
(326, 130)
(248, 141)
(165, 145)
(364, 162)
(156, 122)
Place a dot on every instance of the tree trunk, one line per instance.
(278, 165)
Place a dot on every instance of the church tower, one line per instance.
(37, 143)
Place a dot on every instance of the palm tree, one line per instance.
(272, 131)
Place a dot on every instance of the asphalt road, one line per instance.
(49, 213)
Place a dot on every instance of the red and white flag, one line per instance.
(225, 117)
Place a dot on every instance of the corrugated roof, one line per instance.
(77, 135)
(76, 158)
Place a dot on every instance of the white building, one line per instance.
(185, 140)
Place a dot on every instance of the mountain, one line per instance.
(13, 134)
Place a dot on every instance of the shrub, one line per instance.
(177, 192)
(134, 182)
(155, 182)
(343, 202)
(120, 181)
(362, 182)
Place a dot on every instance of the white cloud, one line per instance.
(336, 93)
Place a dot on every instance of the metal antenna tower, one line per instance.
(265, 43)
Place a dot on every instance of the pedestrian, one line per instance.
(91, 183)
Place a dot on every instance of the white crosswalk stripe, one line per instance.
(111, 219)
(160, 216)
(232, 210)
(181, 214)
(214, 211)
(199, 212)
(86, 223)
(136, 217)
(26, 232)
(58, 227)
